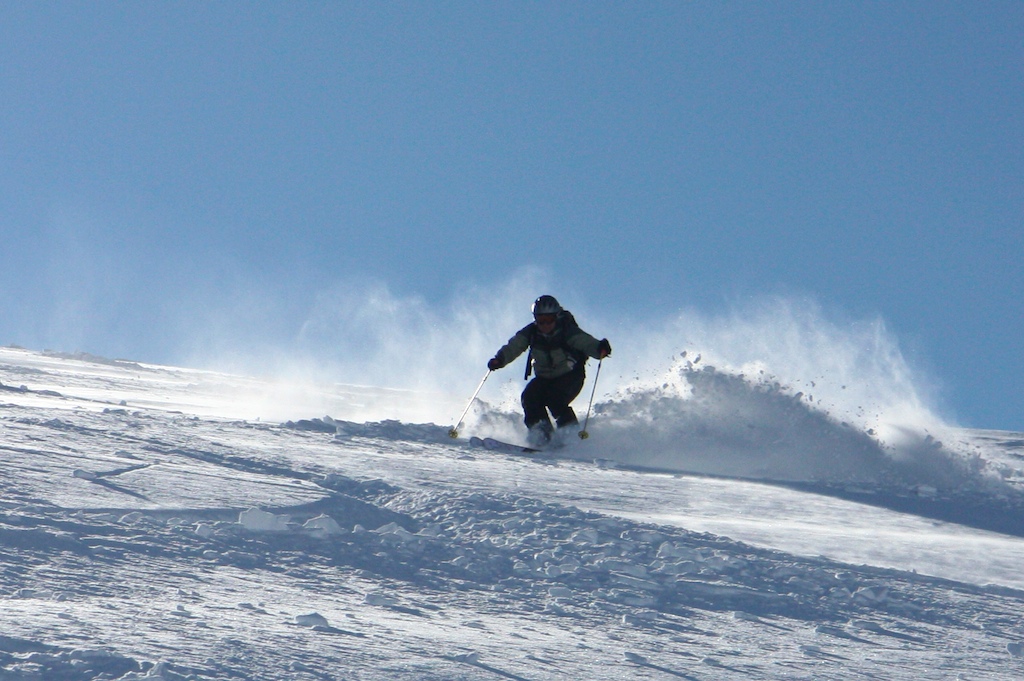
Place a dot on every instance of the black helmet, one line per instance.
(546, 305)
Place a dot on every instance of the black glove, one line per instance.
(604, 348)
(494, 363)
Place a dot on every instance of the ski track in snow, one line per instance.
(145, 536)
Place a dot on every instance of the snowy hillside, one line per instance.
(164, 523)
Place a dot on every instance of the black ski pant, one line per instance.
(552, 394)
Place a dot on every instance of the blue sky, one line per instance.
(165, 163)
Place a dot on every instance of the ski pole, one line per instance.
(454, 432)
(583, 433)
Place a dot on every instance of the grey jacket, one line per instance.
(554, 354)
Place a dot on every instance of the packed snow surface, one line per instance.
(166, 523)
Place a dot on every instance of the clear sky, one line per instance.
(162, 161)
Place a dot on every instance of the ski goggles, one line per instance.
(545, 319)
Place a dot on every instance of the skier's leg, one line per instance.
(535, 413)
(566, 417)
(564, 390)
(534, 400)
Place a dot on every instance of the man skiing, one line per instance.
(559, 349)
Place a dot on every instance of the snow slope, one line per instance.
(166, 523)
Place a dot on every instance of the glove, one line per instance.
(604, 348)
(494, 364)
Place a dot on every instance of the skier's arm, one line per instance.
(584, 342)
(516, 346)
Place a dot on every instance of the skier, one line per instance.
(559, 349)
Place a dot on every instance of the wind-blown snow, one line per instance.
(165, 523)
(728, 424)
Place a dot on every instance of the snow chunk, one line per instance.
(262, 521)
(381, 600)
(396, 531)
(868, 625)
(313, 619)
(181, 611)
(159, 672)
(432, 531)
(323, 524)
(640, 619)
(586, 536)
(669, 551)
(871, 595)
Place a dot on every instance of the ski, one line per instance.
(490, 444)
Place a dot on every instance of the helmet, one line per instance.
(546, 305)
